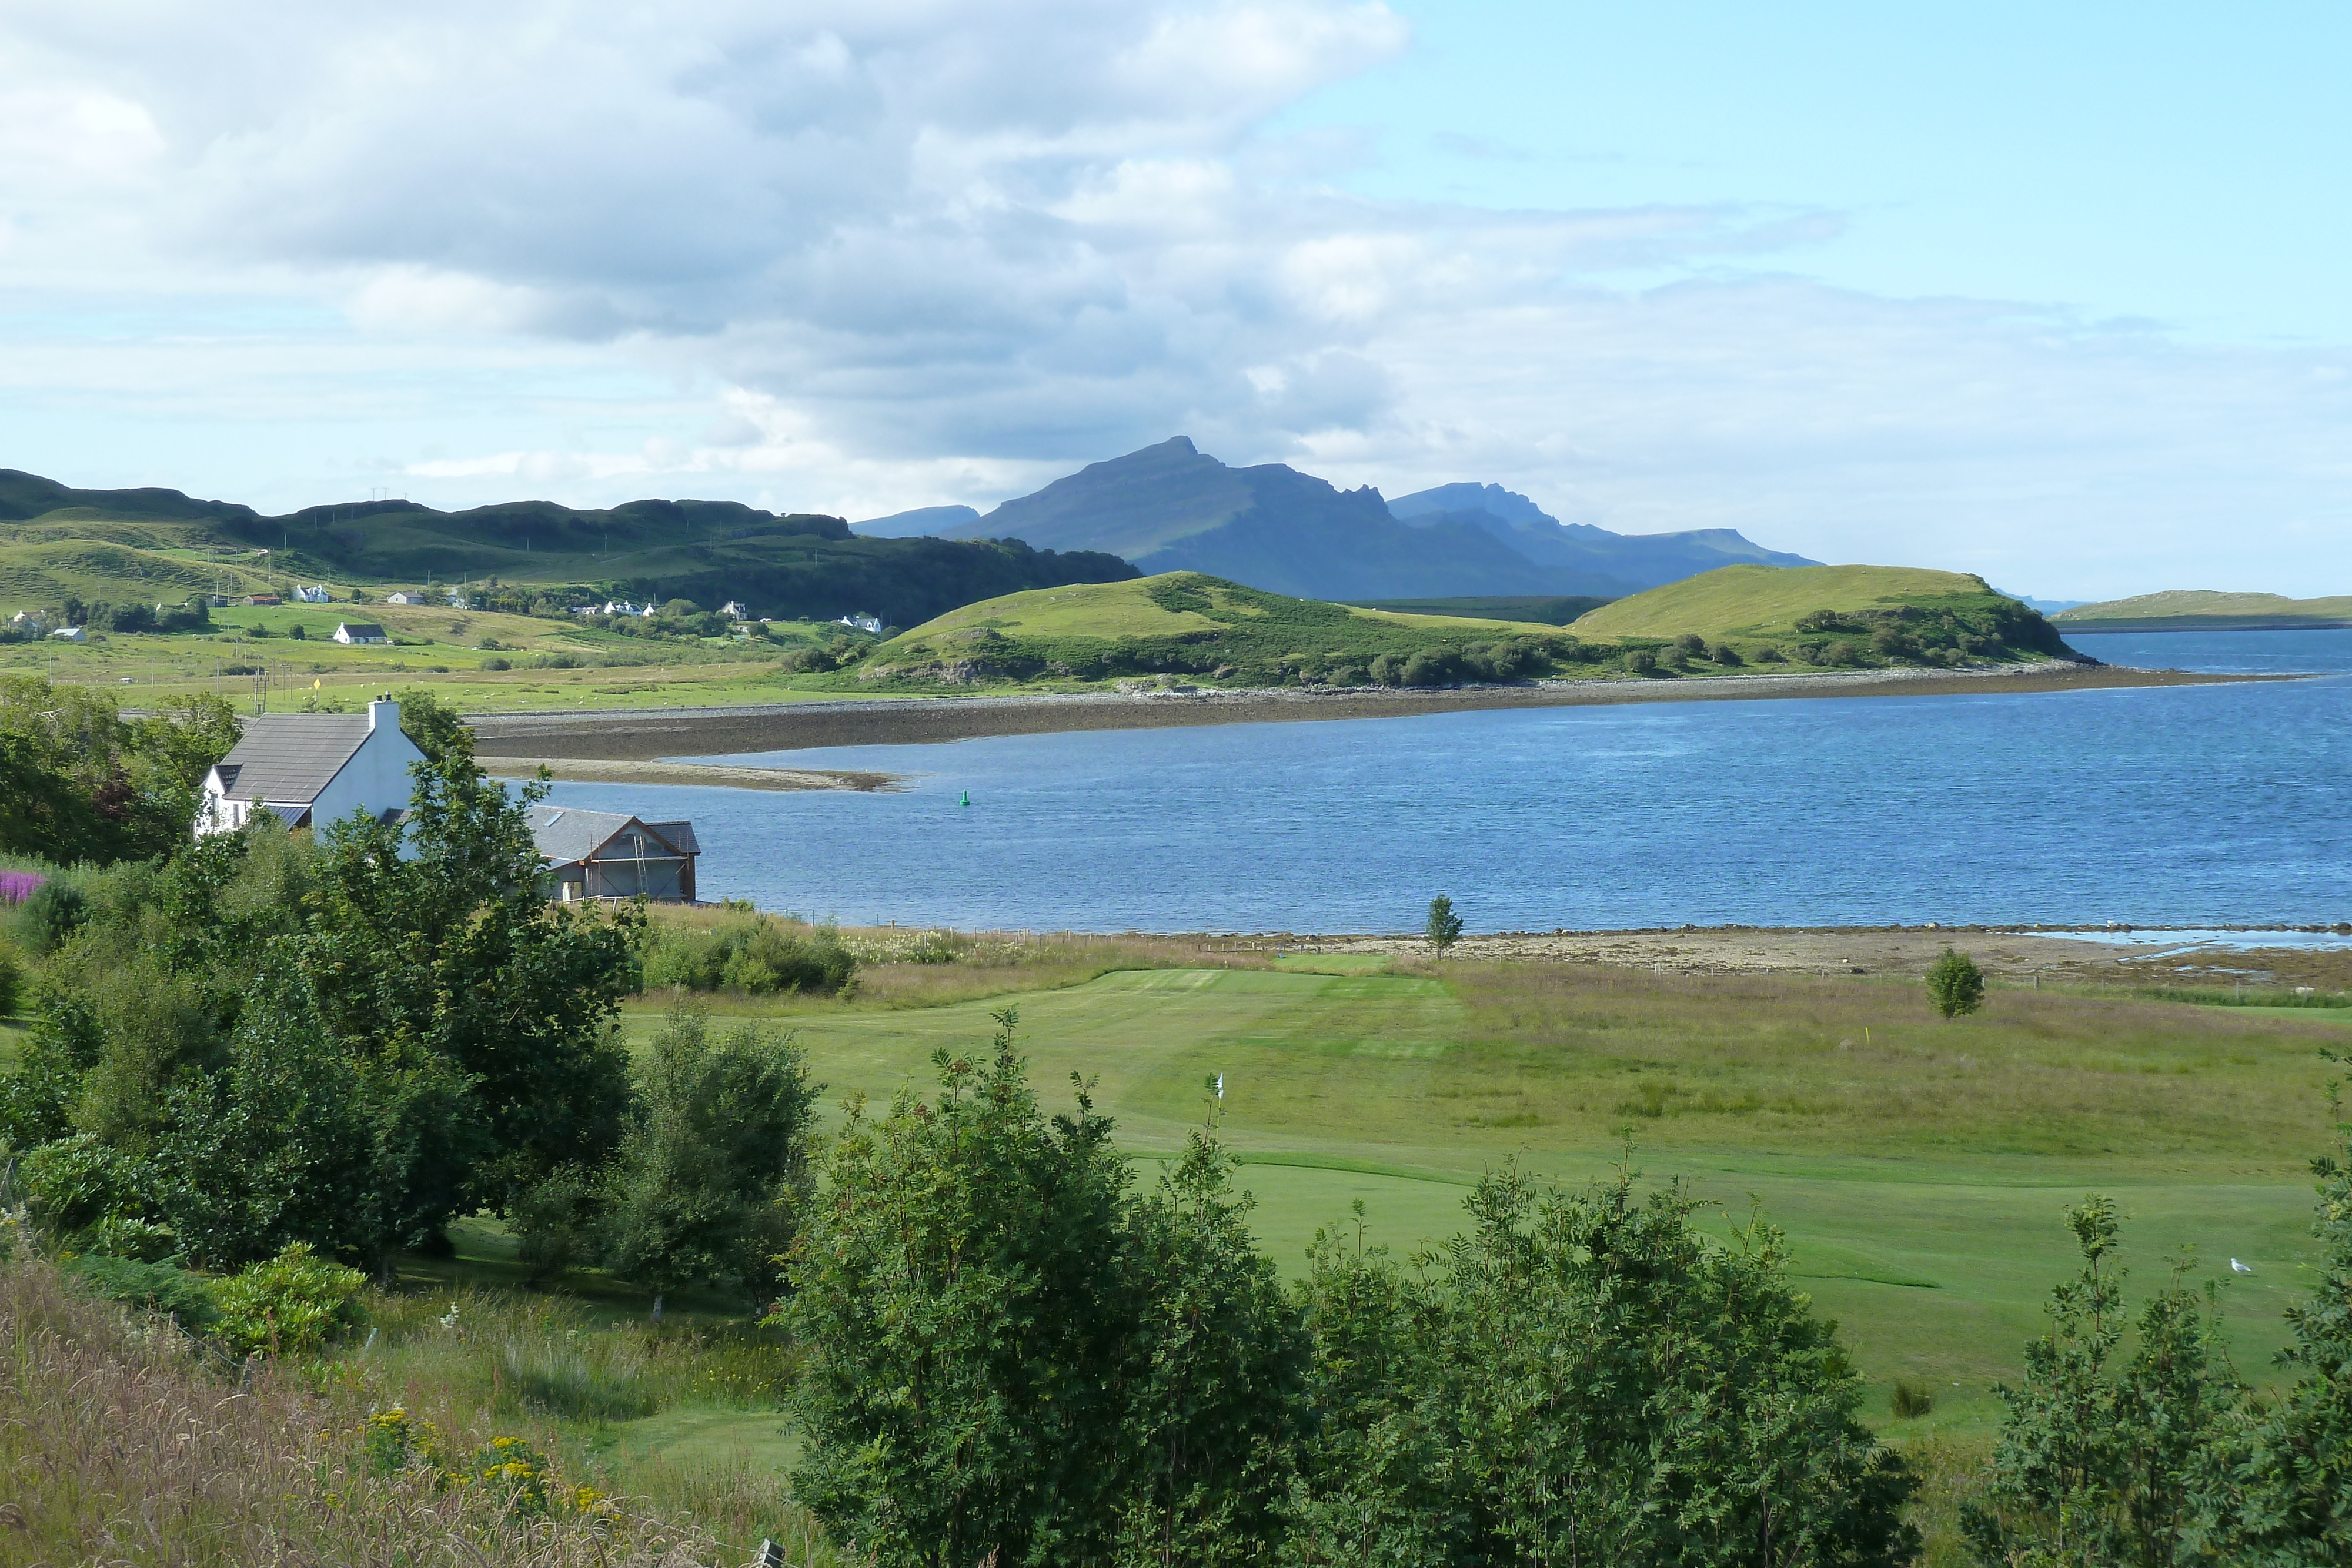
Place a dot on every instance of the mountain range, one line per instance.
(1170, 508)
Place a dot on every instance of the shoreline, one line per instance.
(562, 738)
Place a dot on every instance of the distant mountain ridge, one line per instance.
(1170, 508)
(2191, 609)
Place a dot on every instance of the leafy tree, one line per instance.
(959, 1296)
(2102, 1459)
(2284, 1493)
(1215, 1377)
(1955, 983)
(1444, 927)
(437, 728)
(713, 1174)
(1691, 645)
(1608, 1386)
(1641, 661)
(433, 941)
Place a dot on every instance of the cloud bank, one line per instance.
(857, 257)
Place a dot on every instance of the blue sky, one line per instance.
(2184, 165)
(2049, 295)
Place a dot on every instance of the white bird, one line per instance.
(2238, 1267)
(1221, 1094)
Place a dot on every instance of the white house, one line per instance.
(310, 770)
(360, 631)
(318, 595)
(71, 635)
(460, 601)
(872, 623)
(404, 599)
(734, 610)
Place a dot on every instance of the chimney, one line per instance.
(384, 714)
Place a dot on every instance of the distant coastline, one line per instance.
(646, 736)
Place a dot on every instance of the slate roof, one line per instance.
(357, 630)
(567, 835)
(290, 755)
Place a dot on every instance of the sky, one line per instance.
(2050, 294)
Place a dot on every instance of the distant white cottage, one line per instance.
(404, 599)
(311, 768)
(872, 623)
(318, 595)
(350, 632)
(71, 635)
(734, 610)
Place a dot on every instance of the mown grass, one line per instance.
(1919, 1166)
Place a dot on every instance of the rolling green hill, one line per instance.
(129, 546)
(1906, 611)
(1544, 610)
(2191, 609)
(1186, 624)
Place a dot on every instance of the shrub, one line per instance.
(151, 1287)
(12, 981)
(1690, 645)
(771, 958)
(497, 665)
(73, 1183)
(1726, 655)
(1911, 1399)
(1641, 661)
(291, 1305)
(1385, 670)
(1768, 654)
(55, 911)
(1955, 983)
(1429, 667)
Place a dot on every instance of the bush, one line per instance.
(1724, 655)
(1690, 645)
(497, 665)
(73, 1183)
(54, 911)
(1768, 654)
(291, 1305)
(1641, 661)
(1386, 670)
(151, 1287)
(1955, 983)
(771, 958)
(11, 980)
(1911, 1399)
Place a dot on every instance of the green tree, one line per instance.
(1955, 983)
(1215, 1377)
(2103, 1459)
(1444, 927)
(958, 1295)
(714, 1171)
(2283, 1496)
(433, 939)
(1607, 1385)
(437, 728)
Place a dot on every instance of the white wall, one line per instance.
(376, 777)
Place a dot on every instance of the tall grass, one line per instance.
(125, 1442)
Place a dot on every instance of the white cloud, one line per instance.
(860, 256)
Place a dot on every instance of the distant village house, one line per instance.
(311, 768)
(608, 854)
(872, 623)
(360, 631)
(318, 595)
(404, 599)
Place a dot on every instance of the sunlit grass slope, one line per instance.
(1178, 621)
(1768, 601)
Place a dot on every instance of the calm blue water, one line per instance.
(2223, 805)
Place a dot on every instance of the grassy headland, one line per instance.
(2191, 610)
(1185, 625)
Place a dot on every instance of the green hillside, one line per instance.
(134, 546)
(1186, 624)
(1807, 612)
(2188, 608)
(1543, 608)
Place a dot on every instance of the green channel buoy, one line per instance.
(966, 800)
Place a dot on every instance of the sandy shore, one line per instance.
(726, 777)
(649, 734)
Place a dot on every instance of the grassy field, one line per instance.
(1920, 1167)
(453, 653)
